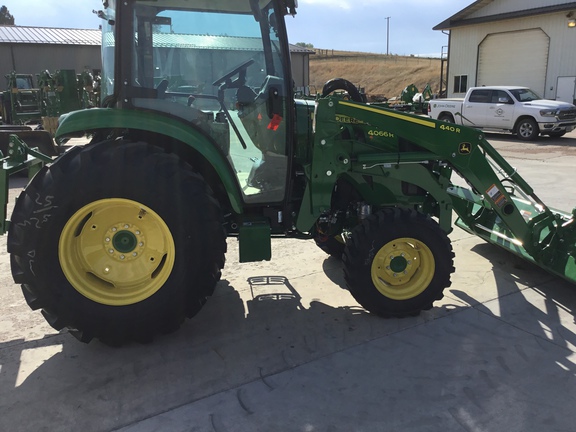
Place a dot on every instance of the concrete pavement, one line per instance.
(298, 354)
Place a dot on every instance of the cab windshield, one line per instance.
(222, 71)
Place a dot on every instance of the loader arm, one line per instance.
(499, 205)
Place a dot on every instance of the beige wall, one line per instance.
(464, 43)
(301, 69)
(33, 59)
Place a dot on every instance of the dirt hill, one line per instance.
(379, 75)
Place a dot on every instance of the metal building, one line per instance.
(31, 50)
(513, 42)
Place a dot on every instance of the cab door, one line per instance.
(475, 108)
(500, 110)
(222, 68)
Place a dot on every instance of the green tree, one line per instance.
(305, 45)
(5, 17)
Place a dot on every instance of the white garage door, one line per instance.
(514, 58)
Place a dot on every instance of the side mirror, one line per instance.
(505, 100)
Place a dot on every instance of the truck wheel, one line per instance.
(527, 129)
(398, 262)
(117, 241)
(446, 118)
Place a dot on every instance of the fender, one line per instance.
(109, 118)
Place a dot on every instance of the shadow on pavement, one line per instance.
(270, 362)
(60, 382)
(540, 141)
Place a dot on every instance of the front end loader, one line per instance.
(200, 138)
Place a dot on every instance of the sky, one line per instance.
(351, 25)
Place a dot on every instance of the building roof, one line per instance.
(462, 18)
(301, 49)
(67, 36)
(49, 35)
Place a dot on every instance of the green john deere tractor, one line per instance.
(199, 137)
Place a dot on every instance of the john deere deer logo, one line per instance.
(465, 149)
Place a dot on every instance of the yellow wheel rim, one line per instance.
(116, 251)
(403, 268)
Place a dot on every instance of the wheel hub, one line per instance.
(124, 241)
(399, 264)
(116, 251)
(402, 268)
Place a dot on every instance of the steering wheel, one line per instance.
(233, 72)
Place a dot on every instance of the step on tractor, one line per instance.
(199, 138)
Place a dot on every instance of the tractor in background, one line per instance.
(32, 112)
(410, 100)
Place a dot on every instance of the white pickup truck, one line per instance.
(515, 109)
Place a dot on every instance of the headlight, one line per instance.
(548, 113)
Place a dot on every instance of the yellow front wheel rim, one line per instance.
(403, 268)
(116, 251)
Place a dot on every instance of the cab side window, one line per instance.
(500, 97)
(481, 96)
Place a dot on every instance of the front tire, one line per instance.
(398, 262)
(117, 241)
(527, 129)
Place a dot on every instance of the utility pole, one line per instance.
(387, 35)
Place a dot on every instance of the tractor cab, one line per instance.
(219, 66)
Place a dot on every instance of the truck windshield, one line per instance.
(219, 66)
(524, 95)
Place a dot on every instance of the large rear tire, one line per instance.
(397, 263)
(117, 241)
